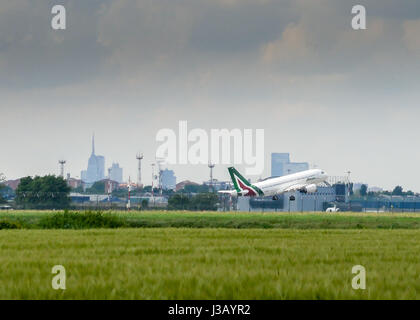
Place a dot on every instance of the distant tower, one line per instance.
(139, 157)
(159, 162)
(211, 166)
(153, 175)
(62, 163)
(129, 193)
(93, 143)
(348, 183)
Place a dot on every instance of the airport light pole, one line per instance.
(348, 188)
(392, 206)
(139, 158)
(153, 176)
(109, 191)
(301, 203)
(129, 194)
(211, 166)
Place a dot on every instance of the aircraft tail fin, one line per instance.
(237, 179)
(242, 185)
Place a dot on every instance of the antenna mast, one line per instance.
(62, 163)
(139, 157)
(211, 166)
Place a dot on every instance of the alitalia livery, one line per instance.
(304, 181)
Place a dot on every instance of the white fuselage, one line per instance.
(295, 181)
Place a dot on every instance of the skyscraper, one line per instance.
(168, 179)
(278, 161)
(115, 173)
(96, 167)
(281, 165)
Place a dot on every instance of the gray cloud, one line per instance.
(127, 68)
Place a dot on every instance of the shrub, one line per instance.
(8, 224)
(78, 220)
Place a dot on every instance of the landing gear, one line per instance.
(275, 198)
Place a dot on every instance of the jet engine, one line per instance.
(311, 188)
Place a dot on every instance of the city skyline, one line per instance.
(342, 99)
(276, 159)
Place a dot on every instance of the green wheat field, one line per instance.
(165, 255)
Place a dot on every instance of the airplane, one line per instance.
(304, 182)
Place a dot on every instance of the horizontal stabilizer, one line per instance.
(233, 193)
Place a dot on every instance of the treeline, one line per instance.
(99, 188)
(397, 191)
(198, 202)
(2, 186)
(48, 192)
(52, 192)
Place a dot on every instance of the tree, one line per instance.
(201, 201)
(363, 190)
(193, 188)
(179, 202)
(398, 191)
(79, 189)
(97, 188)
(48, 192)
(204, 201)
(120, 193)
(371, 194)
(6, 193)
(148, 189)
(2, 186)
(144, 204)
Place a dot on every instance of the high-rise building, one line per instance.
(278, 160)
(115, 173)
(281, 165)
(168, 179)
(96, 167)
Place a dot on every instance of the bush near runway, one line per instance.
(180, 263)
(165, 219)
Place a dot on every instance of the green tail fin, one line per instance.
(245, 184)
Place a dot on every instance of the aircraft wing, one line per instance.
(295, 187)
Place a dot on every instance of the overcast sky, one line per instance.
(332, 96)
